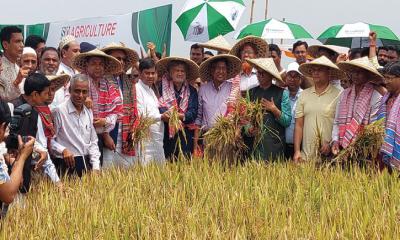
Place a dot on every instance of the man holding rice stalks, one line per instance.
(124, 154)
(315, 110)
(179, 100)
(107, 103)
(276, 108)
(358, 105)
(150, 147)
(390, 111)
(249, 47)
(218, 96)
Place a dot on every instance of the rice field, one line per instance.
(199, 200)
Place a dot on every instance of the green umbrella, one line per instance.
(274, 29)
(356, 35)
(202, 20)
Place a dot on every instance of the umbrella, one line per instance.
(356, 35)
(274, 29)
(202, 20)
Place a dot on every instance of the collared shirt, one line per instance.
(248, 82)
(147, 104)
(7, 78)
(64, 69)
(212, 103)
(318, 111)
(75, 132)
(289, 133)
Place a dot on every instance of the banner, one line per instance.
(134, 29)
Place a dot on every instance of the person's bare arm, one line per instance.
(9, 189)
(298, 137)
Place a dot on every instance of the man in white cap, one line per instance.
(28, 61)
(68, 48)
(293, 81)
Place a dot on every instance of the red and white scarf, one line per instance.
(354, 113)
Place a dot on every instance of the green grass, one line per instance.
(202, 201)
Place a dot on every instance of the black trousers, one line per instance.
(82, 165)
(289, 151)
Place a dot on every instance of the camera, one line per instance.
(20, 113)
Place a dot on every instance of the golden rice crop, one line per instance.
(202, 200)
(365, 148)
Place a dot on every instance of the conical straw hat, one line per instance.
(132, 55)
(361, 63)
(266, 64)
(234, 66)
(260, 44)
(218, 43)
(335, 73)
(111, 66)
(193, 68)
(58, 80)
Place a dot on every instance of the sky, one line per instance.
(314, 15)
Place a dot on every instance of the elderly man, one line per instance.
(275, 103)
(217, 93)
(28, 61)
(176, 74)
(249, 47)
(358, 105)
(122, 156)
(315, 110)
(49, 61)
(12, 42)
(148, 106)
(68, 48)
(107, 103)
(75, 143)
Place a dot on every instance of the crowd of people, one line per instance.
(73, 108)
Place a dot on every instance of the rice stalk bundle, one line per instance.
(224, 141)
(175, 125)
(365, 148)
(141, 132)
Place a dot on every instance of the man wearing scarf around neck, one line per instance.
(176, 91)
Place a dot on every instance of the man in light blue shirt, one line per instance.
(293, 81)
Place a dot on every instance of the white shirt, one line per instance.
(64, 69)
(248, 82)
(41, 144)
(147, 104)
(76, 133)
(7, 78)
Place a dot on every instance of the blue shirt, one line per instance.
(289, 133)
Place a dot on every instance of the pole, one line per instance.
(266, 10)
(283, 19)
(252, 11)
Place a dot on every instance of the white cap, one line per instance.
(29, 50)
(66, 40)
(293, 67)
